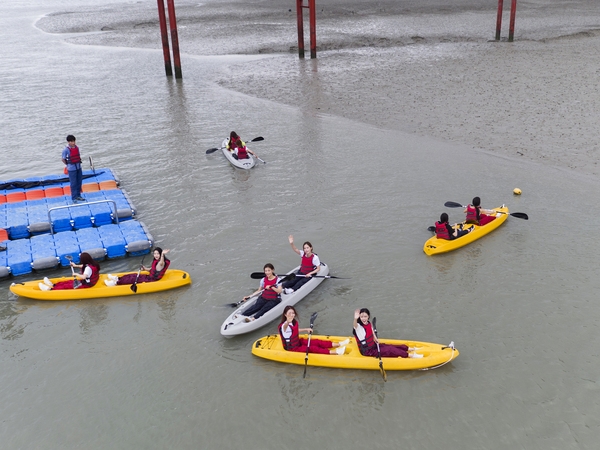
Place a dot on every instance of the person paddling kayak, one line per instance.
(367, 340)
(289, 330)
(271, 290)
(443, 230)
(310, 265)
(477, 215)
(89, 276)
(159, 266)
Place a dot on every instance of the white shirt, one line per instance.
(360, 332)
(287, 333)
(87, 273)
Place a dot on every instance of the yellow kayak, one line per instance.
(433, 246)
(270, 347)
(172, 279)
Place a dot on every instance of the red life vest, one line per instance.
(94, 277)
(269, 294)
(307, 266)
(369, 341)
(158, 275)
(472, 214)
(242, 153)
(74, 156)
(294, 340)
(441, 231)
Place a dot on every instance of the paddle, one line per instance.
(76, 282)
(256, 139)
(259, 275)
(312, 322)
(518, 215)
(286, 278)
(133, 287)
(381, 369)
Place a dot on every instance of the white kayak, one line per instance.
(235, 324)
(246, 164)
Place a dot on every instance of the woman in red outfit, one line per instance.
(367, 340)
(289, 329)
(157, 270)
(241, 151)
(90, 273)
(477, 215)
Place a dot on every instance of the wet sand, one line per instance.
(424, 67)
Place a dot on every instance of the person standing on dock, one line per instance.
(72, 159)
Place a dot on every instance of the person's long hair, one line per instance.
(87, 260)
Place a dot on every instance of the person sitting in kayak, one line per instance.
(241, 151)
(443, 230)
(90, 273)
(157, 270)
(478, 215)
(289, 330)
(309, 266)
(270, 288)
(367, 341)
(233, 139)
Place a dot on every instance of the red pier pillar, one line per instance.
(312, 11)
(499, 19)
(165, 37)
(162, 20)
(513, 14)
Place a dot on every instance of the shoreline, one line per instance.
(412, 68)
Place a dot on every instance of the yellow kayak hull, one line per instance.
(434, 246)
(172, 279)
(270, 347)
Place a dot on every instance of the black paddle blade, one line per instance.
(375, 325)
(312, 318)
(261, 275)
(431, 228)
(133, 287)
(519, 215)
(212, 150)
(259, 138)
(453, 205)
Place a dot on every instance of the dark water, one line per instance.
(154, 372)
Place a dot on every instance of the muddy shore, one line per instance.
(425, 67)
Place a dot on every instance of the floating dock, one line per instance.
(40, 225)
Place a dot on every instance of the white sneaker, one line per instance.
(112, 277)
(340, 350)
(415, 355)
(44, 287)
(344, 342)
(47, 282)
(110, 282)
(288, 291)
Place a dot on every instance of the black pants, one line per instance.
(260, 307)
